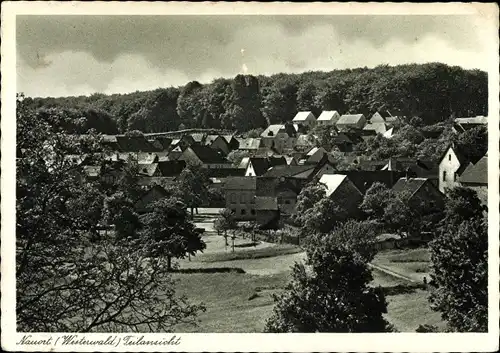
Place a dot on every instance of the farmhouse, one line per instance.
(351, 121)
(463, 124)
(452, 164)
(328, 118)
(257, 165)
(267, 212)
(204, 156)
(278, 137)
(240, 197)
(305, 119)
(218, 142)
(475, 176)
(340, 188)
(421, 191)
(152, 195)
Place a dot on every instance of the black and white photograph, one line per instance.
(173, 173)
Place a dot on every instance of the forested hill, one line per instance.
(434, 92)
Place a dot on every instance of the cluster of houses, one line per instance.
(264, 185)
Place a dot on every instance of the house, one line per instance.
(232, 142)
(421, 191)
(218, 176)
(240, 197)
(389, 133)
(315, 155)
(379, 117)
(328, 117)
(304, 142)
(285, 190)
(305, 119)
(475, 176)
(278, 137)
(134, 144)
(218, 142)
(374, 129)
(109, 142)
(149, 197)
(149, 170)
(250, 144)
(171, 168)
(258, 166)
(204, 156)
(351, 121)
(364, 179)
(183, 142)
(340, 188)
(452, 163)
(147, 158)
(164, 142)
(343, 142)
(304, 173)
(464, 124)
(267, 212)
(198, 137)
(414, 167)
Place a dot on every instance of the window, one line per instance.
(444, 176)
(287, 202)
(233, 211)
(233, 198)
(252, 212)
(449, 157)
(242, 198)
(243, 212)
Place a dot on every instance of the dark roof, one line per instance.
(134, 144)
(288, 170)
(240, 183)
(164, 141)
(411, 185)
(171, 168)
(477, 173)
(207, 154)
(460, 155)
(224, 172)
(261, 165)
(266, 203)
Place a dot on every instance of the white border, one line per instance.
(247, 342)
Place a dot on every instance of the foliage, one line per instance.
(459, 257)
(168, 232)
(330, 293)
(193, 187)
(119, 211)
(308, 197)
(225, 222)
(68, 278)
(432, 92)
(236, 156)
(473, 143)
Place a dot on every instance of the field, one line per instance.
(237, 287)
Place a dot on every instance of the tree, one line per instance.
(168, 232)
(236, 156)
(375, 200)
(331, 294)
(225, 222)
(68, 279)
(473, 143)
(307, 199)
(459, 270)
(193, 187)
(119, 212)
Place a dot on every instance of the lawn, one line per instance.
(411, 263)
(237, 287)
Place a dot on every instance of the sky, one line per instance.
(79, 55)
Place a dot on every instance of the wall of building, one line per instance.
(448, 167)
(242, 203)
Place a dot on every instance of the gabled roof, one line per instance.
(229, 138)
(348, 119)
(250, 144)
(477, 173)
(211, 138)
(313, 150)
(171, 168)
(148, 169)
(462, 159)
(288, 170)
(208, 155)
(378, 128)
(303, 116)
(261, 165)
(224, 172)
(273, 130)
(197, 137)
(240, 183)
(328, 115)
(333, 181)
(266, 203)
(411, 185)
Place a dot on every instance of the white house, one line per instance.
(355, 121)
(328, 117)
(451, 166)
(304, 118)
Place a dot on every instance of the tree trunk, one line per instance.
(192, 212)
(169, 263)
(233, 241)
(196, 210)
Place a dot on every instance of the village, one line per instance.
(263, 184)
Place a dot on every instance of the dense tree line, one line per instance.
(434, 92)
